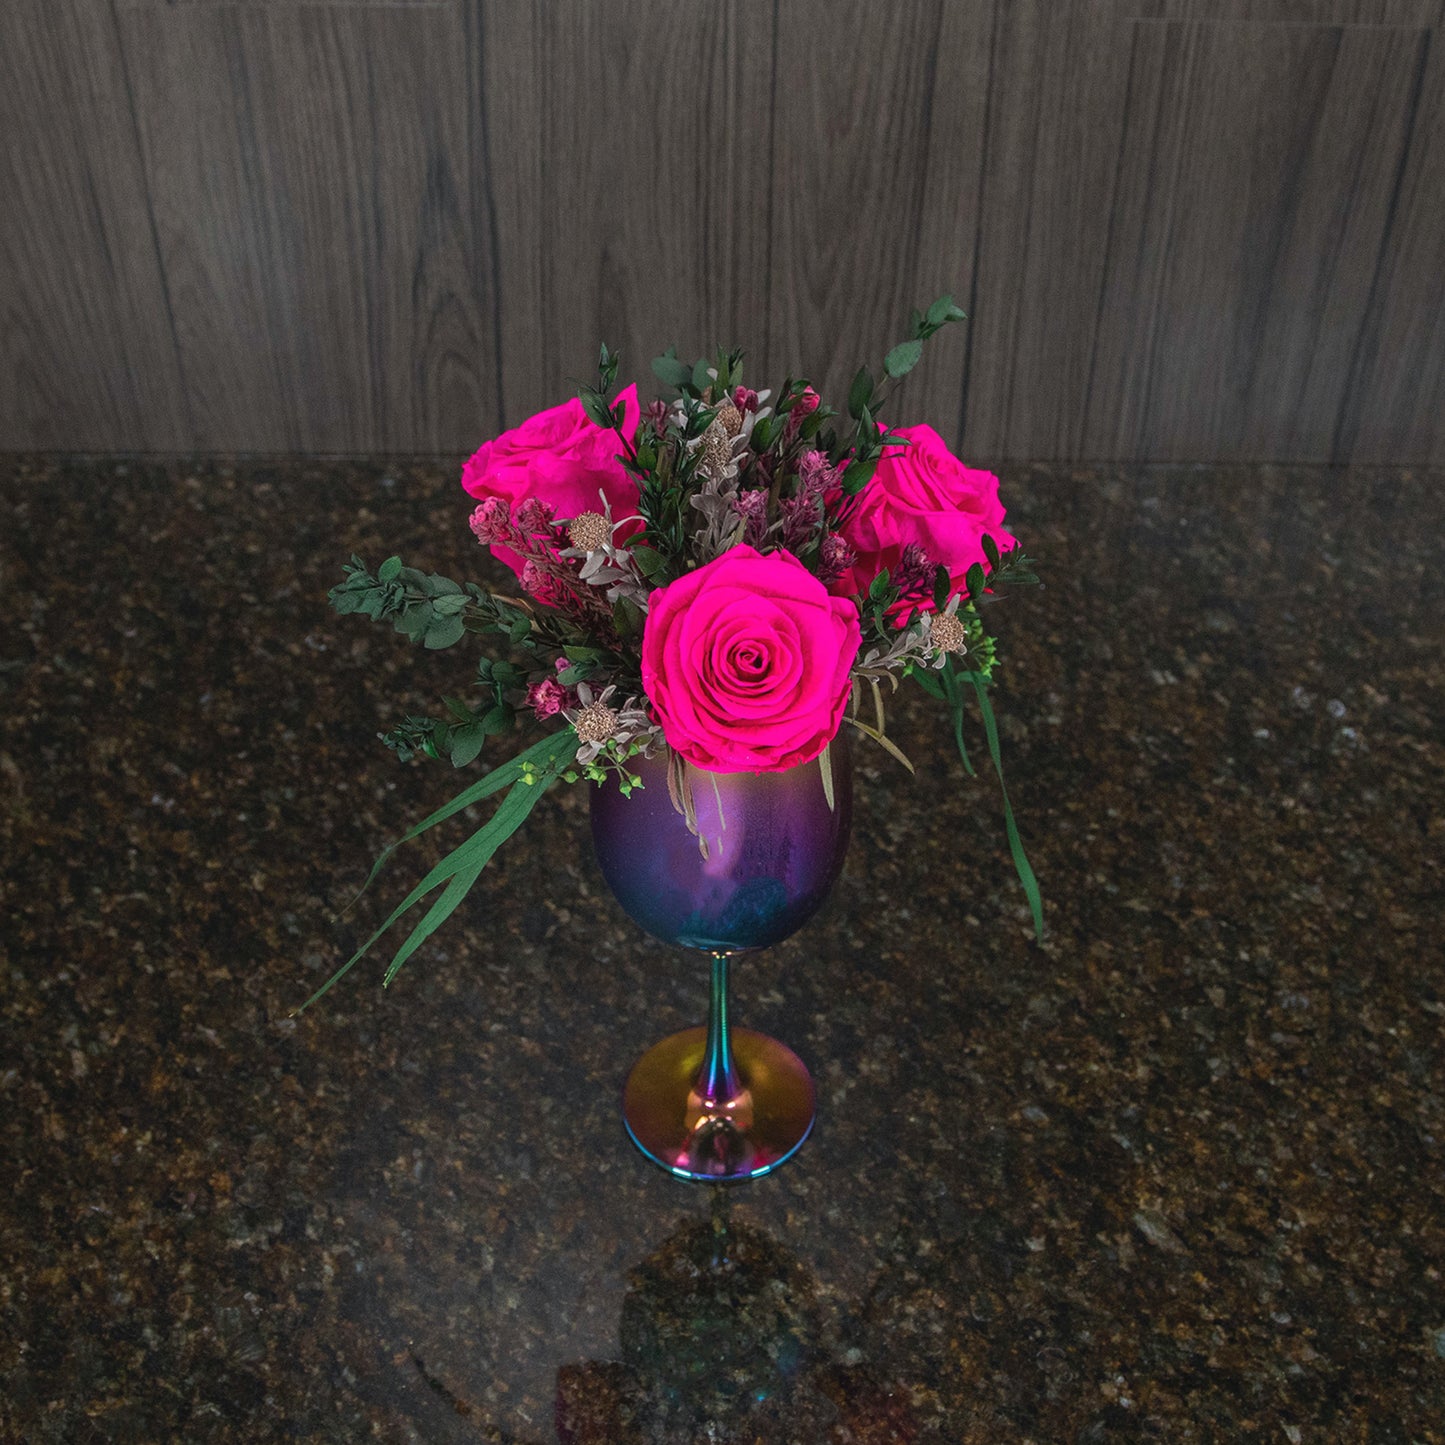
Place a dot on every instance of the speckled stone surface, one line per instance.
(1174, 1176)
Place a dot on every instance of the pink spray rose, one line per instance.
(922, 494)
(746, 662)
(560, 457)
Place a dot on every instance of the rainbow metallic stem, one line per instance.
(718, 1084)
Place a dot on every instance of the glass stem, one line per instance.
(718, 1080)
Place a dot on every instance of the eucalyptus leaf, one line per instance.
(466, 743)
(669, 370)
(903, 358)
(444, 632)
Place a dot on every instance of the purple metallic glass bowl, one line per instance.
(774, 849)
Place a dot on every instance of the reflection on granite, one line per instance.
(1174, 1176)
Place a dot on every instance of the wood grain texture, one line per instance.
(878, 144)
(1253, 201)
(87, 351)
(627, 154)
(1411, 14)
(309, 174)
(1183, 220)
(1184, 229)
(1060, 106)
(1395, 390)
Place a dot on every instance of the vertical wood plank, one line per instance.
(1395, 409)
(630, 183)
(1253, 198)
(878, 144)
(312, 200)
(87, 354)
(1060, 102)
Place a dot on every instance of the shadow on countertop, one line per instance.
(1175, 1175)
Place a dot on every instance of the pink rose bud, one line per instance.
(745, 399)
(808, 403)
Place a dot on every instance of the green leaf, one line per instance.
(651, 563)
(1022, 867)
(450, 605)
(466, 743)
(942, 586)
(903, 358)
(627, 618)
(974, 581)
(669, 370)
(941, 311)
(596, 408)
(443, 632)
(857, 476)
(929, 681)
(389, 570)
(700, 378)
(497, 719)
(990, 551)
(948, 681)
(861, 392)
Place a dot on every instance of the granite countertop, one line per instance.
(1175, 1175)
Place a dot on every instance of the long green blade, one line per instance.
(539, 754)
(954, 698)
(1015, 843)
(515, 808)
(463, 865)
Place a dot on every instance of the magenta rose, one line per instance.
(922, 494)
(561, 457)
(746, 662)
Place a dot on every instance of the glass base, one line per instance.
(719, 1142)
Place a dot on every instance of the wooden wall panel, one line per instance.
(87, 353)
(1184, 229)
(308, 168)
(1060, 107)
(1395, 393)
(878, 143)
(1253, 202)
(1181, 234)
(1411, 14)
(629, 164)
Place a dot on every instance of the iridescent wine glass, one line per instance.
(719, 1103)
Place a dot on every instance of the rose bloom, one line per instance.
(746, 662)
(560, 457)
(922, 494)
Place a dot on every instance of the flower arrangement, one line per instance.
(723, 575)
